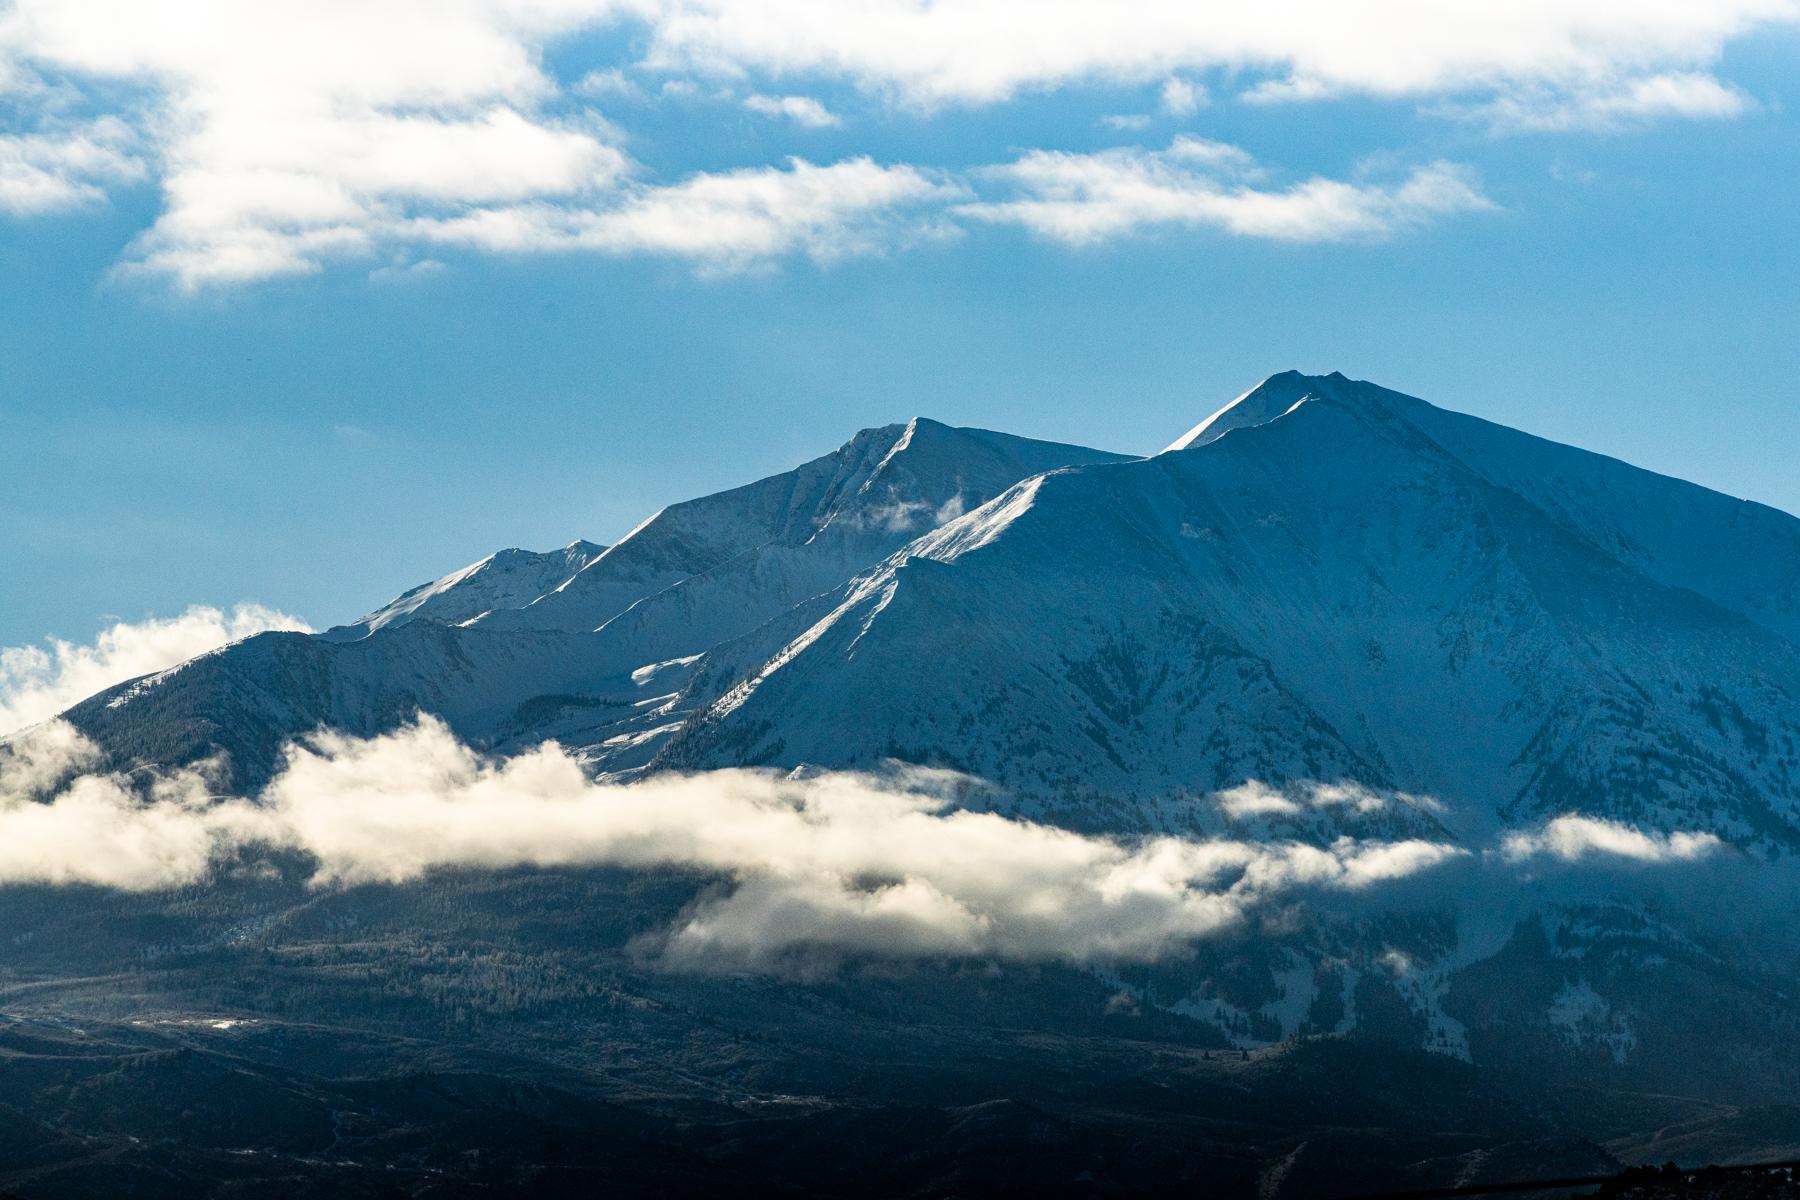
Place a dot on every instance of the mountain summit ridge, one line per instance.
(1328, 580)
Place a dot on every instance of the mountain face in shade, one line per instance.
(1329, 611)
(573, 643)
(1361, 587)
(1324, 581)
(503, 580)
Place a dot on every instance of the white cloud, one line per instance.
(1572, 838)
(1182, 97)
(49, 172)
(609, 83)
(1255, 799)
(981, 51)
(1685, 95)
(731, 220)
(802, 110)
(1083, 199)
(832, 863)
(37, 682)
(284, 136)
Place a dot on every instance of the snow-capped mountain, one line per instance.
(1324, 581)
(769, 544)
(503, 580)
(1360, 586)
(588, 644)
(1330, 610)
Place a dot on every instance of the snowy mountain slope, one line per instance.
(859, 502)
(1330, 594)
(931, 474)
(1741, 555)
(1462, 629)
(503, 580)
(512, 657)
(1273, 397)
(1332, 582)
(248, 698)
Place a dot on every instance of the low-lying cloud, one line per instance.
(833, 863)
(1573, 838)
(816, 866)
(37, 682)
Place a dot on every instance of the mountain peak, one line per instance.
(1273, 397)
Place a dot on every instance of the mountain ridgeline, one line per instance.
(1325, 581)
(1330, 620)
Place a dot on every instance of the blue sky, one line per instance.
(306, 306)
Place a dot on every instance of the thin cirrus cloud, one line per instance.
(1691, 95)
(43, 173)
(284, 136)
(802, 110)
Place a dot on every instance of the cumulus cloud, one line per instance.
(802, 110)
(728, 221)
(1684, 95)
(61, 825)
(49, 172)
(827, 864)
(981, 51)
(1084, 199)
(37, 682)
(1572, 838)
(285, 136)
(1182, 97)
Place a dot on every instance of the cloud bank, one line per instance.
(283, 137)
(833, 864)
(37, 682)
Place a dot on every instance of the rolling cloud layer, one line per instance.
(830, 864)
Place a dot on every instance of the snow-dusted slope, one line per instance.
(1330, 582)
(506, 648)
(1329, 594)
(1272, 398)
(930, 474)
(503, 580)
(772, 543)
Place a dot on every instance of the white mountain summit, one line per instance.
(1323, 581)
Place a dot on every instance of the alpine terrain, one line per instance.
(1329, 617)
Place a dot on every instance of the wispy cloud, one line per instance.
(70, 168)
(37, 682)
(727, 221)
(1085, 199)
(1686, 95)
(1182, 97)
(802, 110)
(986, 51)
